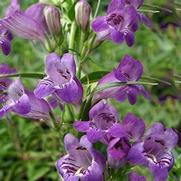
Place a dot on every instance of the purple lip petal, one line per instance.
(82, 162)
(5, 45)
(23, 105)
(71, 92)
(44, 88)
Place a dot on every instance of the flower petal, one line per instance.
(136, 156)
(160, 174)
(24, 26)
(129, 37)
(132, 96)
(100, 24)
(71, 92)
(129, 69)
(102, 107)
(81, 126)
(117, 130)
(16, 90)
(134, 126)
(70, 142)
(4, 110)
(14, 6)
(69, 62)
(44, 88)
(36, 12)
(117, 37)
(94, 135)
(116, 5)
(5, 45)
(23, 105)
(39, 108)
(145, 20)
(56, 70)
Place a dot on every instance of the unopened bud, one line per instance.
(82, 13)
(52, 17)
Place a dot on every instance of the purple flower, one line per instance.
(5, 40)
(129, 70)
(102, 117)
(133, 176)
(14, 6)
(137, 4)
(5, 82)
(81, 162)
(6, 35)
(155, 151)
(116, 25)
(39, 108)
(121, 21)
(24, 103)
(61, 79)
(18, 100)
(123, 136)
(29, 24)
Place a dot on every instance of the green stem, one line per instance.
(72, 36)
(97, 8)
(24, 75)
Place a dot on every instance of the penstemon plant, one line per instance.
(99, 146)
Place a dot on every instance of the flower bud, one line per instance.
(82, 13)
(52, 17)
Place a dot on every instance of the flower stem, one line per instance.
(97, 8)
(72, 36)
(24, 75)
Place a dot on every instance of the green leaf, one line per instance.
(93, 77)
(38, 173)
(71, 12)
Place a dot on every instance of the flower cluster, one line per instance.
(126, 141)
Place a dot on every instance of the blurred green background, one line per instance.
(28, 150)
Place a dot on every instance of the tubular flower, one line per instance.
(81, 162)
(24, 103)
(5, 82)
(129, 70)
(155, 151)
(123, 136)
(102, 117)
(29, 24)
(137, 4)
(61, 79)
(120, 23)
(18, 100)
